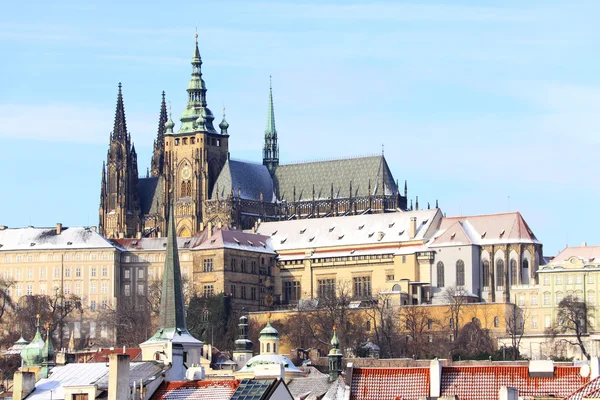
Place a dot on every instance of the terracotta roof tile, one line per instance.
(389, 383)
(589, 390)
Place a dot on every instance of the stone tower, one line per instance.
(271, 149)
(194, 156)
(243, 345)
(119, 200)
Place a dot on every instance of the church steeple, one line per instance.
(270, 149)
(224, 125)
(158, 157)
(119, 132)
(197, 116)
(335, 358)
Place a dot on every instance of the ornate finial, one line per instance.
(270, 81)
(196, 35)
(269, 316)
(120, 85)
(382, 148)
(169, 104)
(334, 328)
(47, 326)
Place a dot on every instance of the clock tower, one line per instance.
(194, 155)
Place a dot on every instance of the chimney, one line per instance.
(23, 384)
(201, 226)
(349, 369)
(195, 374)
(138, 235)
(118, 376)
(594, 368)
(435, 378)
(412, 229)
(508, 393)
(209, 227)
(94, 228)
(58, 228)
(219, 224)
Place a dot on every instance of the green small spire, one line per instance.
(270, 130)
(335, 358)
(224, 125)
(335, 343)
(169, 125)
(270, 148)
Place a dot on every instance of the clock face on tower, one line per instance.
(186, 173)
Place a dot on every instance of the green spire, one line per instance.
(335, 343)
(270, 149)
(224, 125)
(197, 116)
(32, 353)
(335, 358)
(47, 355)
(172, 314)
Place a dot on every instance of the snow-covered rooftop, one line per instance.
(588, 254)
(48, 239)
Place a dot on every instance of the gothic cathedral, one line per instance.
(209, 187)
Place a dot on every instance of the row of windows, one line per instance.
(141, 289)
(56, 257)
(243, 292)
(66, 272)
(27, 290)
(345, 258)
(184, 141)
(460, 273)
(570, 280)
(254, 267)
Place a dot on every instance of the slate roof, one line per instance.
(47, 239)
(585, 253)
(350, 230)
(484, 383)
(197, 390)
(484, 229)
(390, 383)
(251, 178)
(151, 195)
(340, 173)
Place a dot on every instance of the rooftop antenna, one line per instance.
(508, 205)
(382, 148)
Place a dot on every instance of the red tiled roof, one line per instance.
(103, 354)
(197, 390)
(483, 383)
(389, 383)
(587, 391)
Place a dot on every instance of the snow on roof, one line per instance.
(47, 239)
(240, 240)
(191, 390)
(483, 229)
(349, 230)
(587, 254)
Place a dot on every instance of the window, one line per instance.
(67, 288)
(29, 290)
(362, 286)
(127, 290)
(243, 265)
(243, 292)
(56, 272)
(140, 289)
(104, 271)
(326, 288)
(291, 291)
(208, 265)
(546, 280)
(486, 273)
(368, 326)
(546, 299)
(403, 259)
(440, 274)
(233, 264)
(150, 273)
(140, 273)
(42, 290)
(533, 300)
(127, 273)
(67, 272)
(534, 322)
(29, 258)
(19, 291)
(460, 273)
(559, 297)
(104, 287)
(591, 298)
(547, 321)
(77, 288)
(104, 304)
(29, 273)
(389, 277)
(253, 293)
(499, 274)
(253, 267)
(93, 288)
(521, 300)
(93, 272)
(569, 279)
(590, 278)
(78, 272)
(578, 279)
(451, 323)
(496, 322)
(43, 273)
(233, 291)
(514, 277)
(559, 280)
(430, 324)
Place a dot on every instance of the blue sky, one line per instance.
(486, 106)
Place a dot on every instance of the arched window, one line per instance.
(183, 190)
(496, 322)
(460, 273)
(268, 347)
(500, 273)
(525, 264)
(486, 273)
(189, 189)
(440, 274)
(274, 347)
(514, 277)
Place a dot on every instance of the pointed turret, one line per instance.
(243, 345)
(271, 149)
(197, 116)
(335, 357)
(158, 157)
(120, 127)
(47, 355)
(224, 125)
(32, 353)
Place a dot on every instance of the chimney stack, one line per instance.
(435, 378)
(58, 228)
(412, 229)
(23, 384)
(118, 377)
(508, 393)
(209, 227)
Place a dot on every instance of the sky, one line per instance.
(487, 107)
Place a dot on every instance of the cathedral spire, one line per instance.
(119, 132)
(172, 316)
(197, 116)
(158, 157)
(270, 149)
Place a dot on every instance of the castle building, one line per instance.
(194, 162)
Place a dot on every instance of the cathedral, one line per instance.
(208, 186)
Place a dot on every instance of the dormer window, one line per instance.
(331, 229)
(371, 234)
(283, 241)
(250, 243)
(453, 236)
(302, 231)
(340, 237)
(274, 233)
(391, 225)
(502, 233)
(311, 239)
(483, 234)
(400, 233)
(361, 226)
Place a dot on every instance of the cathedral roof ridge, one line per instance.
(341, 158)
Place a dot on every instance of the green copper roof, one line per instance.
(172, 314)
(335, 343)
(270, 131)
(196, 116)
(32, 353)
(268, 331)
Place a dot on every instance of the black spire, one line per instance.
(158, 157)
(120, 128)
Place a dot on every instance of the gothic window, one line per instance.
(183, 190)
(460, 273)
(513, 272)
(500, 273)
(440, 274)
(189, 189)
(486, 273)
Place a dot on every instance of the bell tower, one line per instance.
(194, 155)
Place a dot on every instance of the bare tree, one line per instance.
(456, 299)
(6, 301)
(474, 342)
(572, 316)
(515, 320)
(382, 318)
(416, 321)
